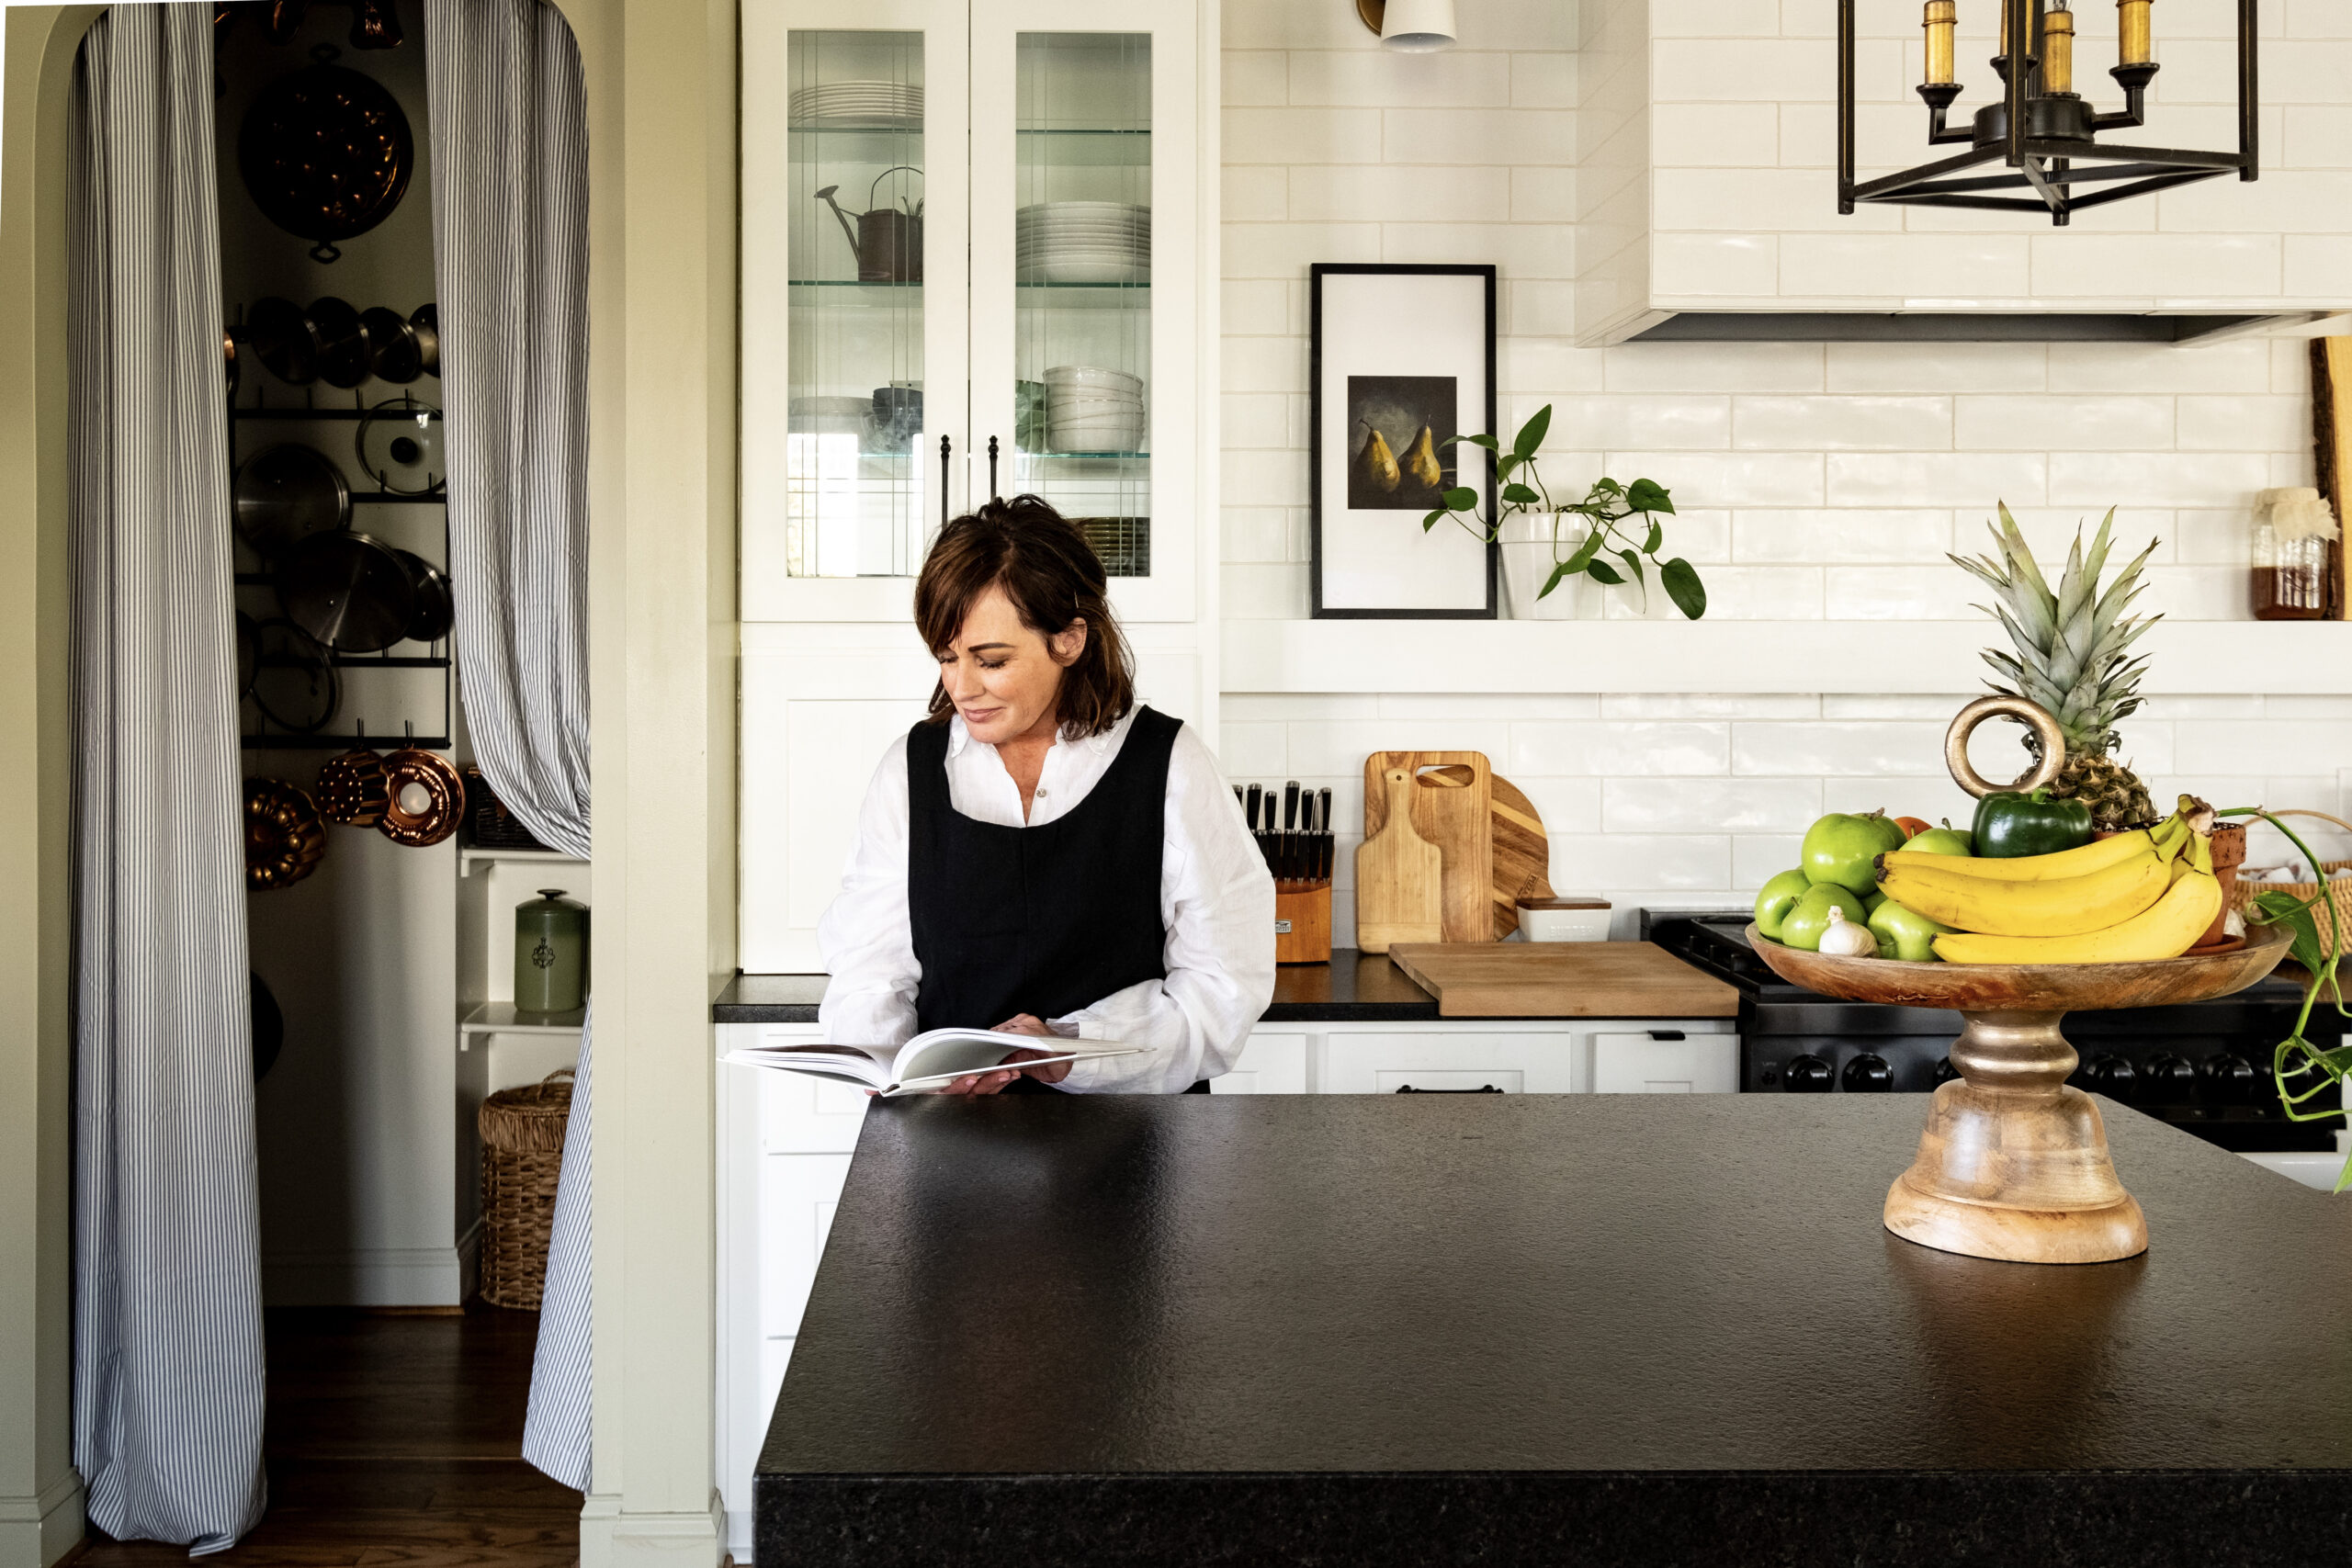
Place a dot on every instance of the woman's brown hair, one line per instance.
(1053, 576)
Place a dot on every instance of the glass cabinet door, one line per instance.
(854, 286)
(1070, 333)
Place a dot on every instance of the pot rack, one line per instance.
(269, 738)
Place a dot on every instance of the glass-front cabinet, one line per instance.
(973, 264)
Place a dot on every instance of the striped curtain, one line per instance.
(510, 240)
(167, 1334)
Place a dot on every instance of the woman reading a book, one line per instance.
(1042, 855)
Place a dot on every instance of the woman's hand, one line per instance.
(993, 1083)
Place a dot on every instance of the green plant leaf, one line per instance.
(2285, 909)
(1657, 537)
(1585, 550)
(1682, 586)
(1505, 464)
(1634, 564)
(1485, 441)
(1519, 494)
(1430, 521)
(1531, 434)
(1558, 572)
(1461, 498)
(1602, 571)
(1648, 495)
(1603, 488)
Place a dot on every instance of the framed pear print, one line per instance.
(1403, 358)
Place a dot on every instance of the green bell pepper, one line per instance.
(2009, 824)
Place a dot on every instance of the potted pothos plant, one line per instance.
(2303, 1071)
(1620, 522)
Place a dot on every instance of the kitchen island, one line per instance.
(1602, 1329)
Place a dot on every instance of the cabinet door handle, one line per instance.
(992, 492)
(945, 446)
(1482, 1089)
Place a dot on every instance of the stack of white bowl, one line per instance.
(892, 103)
(1089, 409)
(1082, 241)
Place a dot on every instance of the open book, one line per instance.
(927, 1061)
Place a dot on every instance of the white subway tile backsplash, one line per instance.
(2009, 368)
(2156, 478)
(1381, 78)
(1756, 858)
(1834, 424)
(1659, 862)
(1302, 135)
(1940, 593)
(2081, 423)
(1602, 746)
(1661, 421)
(1726, 479)
(2246, 423)
(1256, 193)
(1767, 806)
(1936, 478)
(1709, 368)
(2242, 366)
(1708, 705)
(1827, 747)
(1255, 78)
(1478, 136)
(1842, 535)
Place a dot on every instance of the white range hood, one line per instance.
(1707, 187)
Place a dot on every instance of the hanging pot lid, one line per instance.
(426, 320)
(326, 154)
(393, 353)
(284, 494)
(400, 447)
(434, 608)
(294, 684)
(283, 340)
(348, 590)
(344, 354)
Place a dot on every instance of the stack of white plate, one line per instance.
(892, 103)
(1089, 409)
(1082, 241)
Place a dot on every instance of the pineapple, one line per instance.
(2070, 659)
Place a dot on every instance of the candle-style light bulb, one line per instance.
(2058, 49)
(2133, 36)
(1939, 19)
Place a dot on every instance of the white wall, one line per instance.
(1817, 481)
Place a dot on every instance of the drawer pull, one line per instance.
(1482, 1089)
(1667, 1035)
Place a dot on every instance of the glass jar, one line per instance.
(550, 954)
(2289, 575)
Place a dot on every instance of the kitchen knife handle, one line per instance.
(1252, 807)
(1289, 804)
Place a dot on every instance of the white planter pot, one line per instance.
(1527, 562)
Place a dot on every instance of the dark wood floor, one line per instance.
(392, 1440)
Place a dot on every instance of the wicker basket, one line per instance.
(2339, 893)
(522, 1154)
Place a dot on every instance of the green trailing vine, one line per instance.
(2296, 1057)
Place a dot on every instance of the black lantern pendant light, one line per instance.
(2040, 138)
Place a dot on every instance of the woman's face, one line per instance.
(1002, 676)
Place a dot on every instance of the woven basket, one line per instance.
(522, 1154)
(2339, 893)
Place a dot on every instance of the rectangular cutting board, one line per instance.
(1455, 819)
(1562, 979)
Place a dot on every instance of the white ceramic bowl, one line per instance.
(1566, 925)
(1092, 376)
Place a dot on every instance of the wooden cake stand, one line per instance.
(2013, 1164)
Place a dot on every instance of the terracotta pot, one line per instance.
(2229, 854)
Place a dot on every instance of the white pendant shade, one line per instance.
(1417, 27)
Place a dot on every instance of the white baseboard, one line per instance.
(389, 1275)
(612, 1537)
(36, 1531)
(469, 1262)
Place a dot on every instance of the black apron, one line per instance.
(1038, 919)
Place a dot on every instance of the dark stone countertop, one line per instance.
(1359, 985)
(1617, 1330)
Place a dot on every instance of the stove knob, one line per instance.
(2170, 1079)
(1869, 1073)
(2228, 1079)
(1945, 1072)
(1809, 1074)
(2112, 1076)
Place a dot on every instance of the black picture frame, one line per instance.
(1317, 498)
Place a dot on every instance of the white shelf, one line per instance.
(2227, 657)
(469, 859)
(503, 1018)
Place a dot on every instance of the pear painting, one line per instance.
(1394, 424)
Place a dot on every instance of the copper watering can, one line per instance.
(888, 241)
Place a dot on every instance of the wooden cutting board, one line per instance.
(1455, 819)
(1522, 854)
(1562, 979)
(1399, 874)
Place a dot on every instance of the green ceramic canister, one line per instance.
(550, 953)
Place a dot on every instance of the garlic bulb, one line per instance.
(1848, 939)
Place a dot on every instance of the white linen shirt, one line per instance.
(1216, 903)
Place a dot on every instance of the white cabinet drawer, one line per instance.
(1514, 1064)
(800, 1114)
(1642, 1064)
(1269, 1063)
(797, 1195)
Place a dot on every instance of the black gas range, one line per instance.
(2204, 1067)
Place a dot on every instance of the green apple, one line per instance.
(1779, 896)
(1842, 847)
(1804, 923)
(1944, 841)
(1905, 933)
(1870, 902)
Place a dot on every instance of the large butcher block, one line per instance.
(1562, 979)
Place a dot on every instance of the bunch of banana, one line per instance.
(2146, 893)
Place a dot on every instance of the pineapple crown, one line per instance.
(2070, 645)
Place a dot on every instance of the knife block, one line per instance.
(1303, 922)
